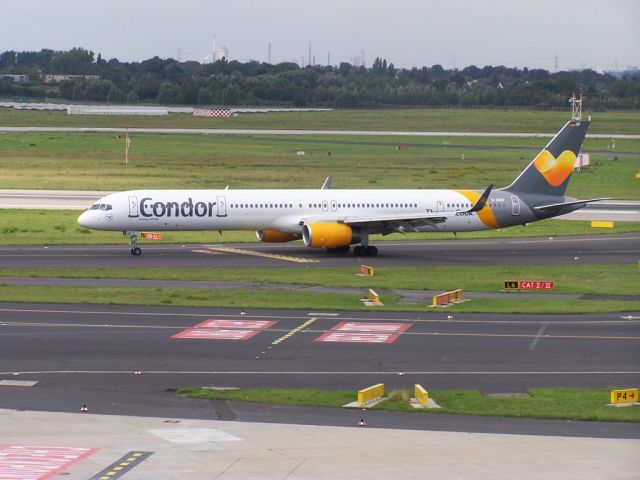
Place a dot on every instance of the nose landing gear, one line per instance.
(133, 242)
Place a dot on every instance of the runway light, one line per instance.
(84, 409)
(576, 259)
(362, 423)
(15, 374)
(449, 317)
(137, 372)
(401, 374)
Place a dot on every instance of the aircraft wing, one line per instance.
(395, 223)
(386, 224)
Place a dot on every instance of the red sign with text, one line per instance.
(150, 235)
(536, 285)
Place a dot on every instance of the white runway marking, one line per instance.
(613, 321)
(300, 372)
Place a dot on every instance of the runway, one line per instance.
(612, 249)
(249, 131)
(87, 354)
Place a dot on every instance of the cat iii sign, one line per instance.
(529, 285)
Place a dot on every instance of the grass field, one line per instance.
(95, 161)
(253, 298)
(569, 278)
(464, 120)
(553, 403)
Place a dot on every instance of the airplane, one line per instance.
(337, 219)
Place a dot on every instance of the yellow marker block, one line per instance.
(638, 174)
(371, 393)
(629, 395)
(421, 395)
(601, 224)
(374, 297)
(366, 271)
(448, 297)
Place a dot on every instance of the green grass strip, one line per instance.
(569, 278)
(550, 403)
(247, 298)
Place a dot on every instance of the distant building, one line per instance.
(16, 78)
(222, 52)
(62, 78)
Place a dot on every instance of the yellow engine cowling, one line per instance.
(276, 236)
(329, 235)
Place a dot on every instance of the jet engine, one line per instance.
(329, 235)
(276, 236)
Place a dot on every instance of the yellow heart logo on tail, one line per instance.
(555, 170)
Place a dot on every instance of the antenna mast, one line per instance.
(576, 107)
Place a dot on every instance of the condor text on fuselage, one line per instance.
(151, 208)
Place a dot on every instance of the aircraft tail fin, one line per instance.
(549, 172)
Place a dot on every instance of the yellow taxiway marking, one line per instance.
(294, 331)
(122, 466)
(242, 251)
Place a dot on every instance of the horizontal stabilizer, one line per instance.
(564, 204)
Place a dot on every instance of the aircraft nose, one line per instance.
(87, 219)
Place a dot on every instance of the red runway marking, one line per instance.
(217, 334)
(371, 327)
(364, 332)
(247, 324)
(38, 463)
(220, 329)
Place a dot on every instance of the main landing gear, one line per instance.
(358, 250)
(133, 242)
(365, 251)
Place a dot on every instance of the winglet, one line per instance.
(482, 201)
(327, 183)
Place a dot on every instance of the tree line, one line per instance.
(233, 83)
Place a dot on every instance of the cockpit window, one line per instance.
(101, 206)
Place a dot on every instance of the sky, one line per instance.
(598, 34)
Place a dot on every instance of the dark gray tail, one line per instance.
(550, 171)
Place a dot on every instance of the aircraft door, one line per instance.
(515, 205)
(325, 206)
(133, 206)
(334, 206)
(222, 206)
(439, 206)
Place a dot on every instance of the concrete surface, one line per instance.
(207, 449)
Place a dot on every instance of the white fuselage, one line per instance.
(281, 210)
